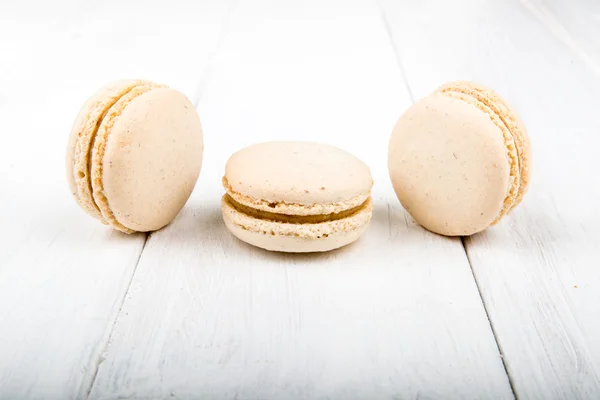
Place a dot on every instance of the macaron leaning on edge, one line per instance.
(134, 155)
(460, 159)
(296, 196)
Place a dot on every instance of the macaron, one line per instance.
(134, 155)
(296, 196)
(460, 159)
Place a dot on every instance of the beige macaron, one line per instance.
(134, 155)
(459, 159)
(296, 196)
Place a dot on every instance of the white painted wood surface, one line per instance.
(194, 313)
(395, 315)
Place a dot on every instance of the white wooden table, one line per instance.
(189, 312)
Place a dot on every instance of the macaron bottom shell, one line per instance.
(296, 237)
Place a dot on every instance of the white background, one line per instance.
(191, 312)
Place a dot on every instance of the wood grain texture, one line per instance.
(63, 276)
(395, 315)
(575, 23)
(538, 271)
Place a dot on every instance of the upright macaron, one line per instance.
(134, 155)
(296, 196)
(460, 159)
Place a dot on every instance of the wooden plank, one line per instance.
(396, 315)
(63, 276)
(538, 271)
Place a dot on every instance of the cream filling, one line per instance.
(333, 224)
(281, 207)
(291, 219)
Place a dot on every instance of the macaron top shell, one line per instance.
(297, 178)
(449, 165)
(146, 167)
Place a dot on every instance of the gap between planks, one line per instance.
(388, 32)
(462, 238)
(487, 314)
(101, 357)
(200, 88)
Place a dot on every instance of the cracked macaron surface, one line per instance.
(459, 159)
(134, 155)
(296, 196)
